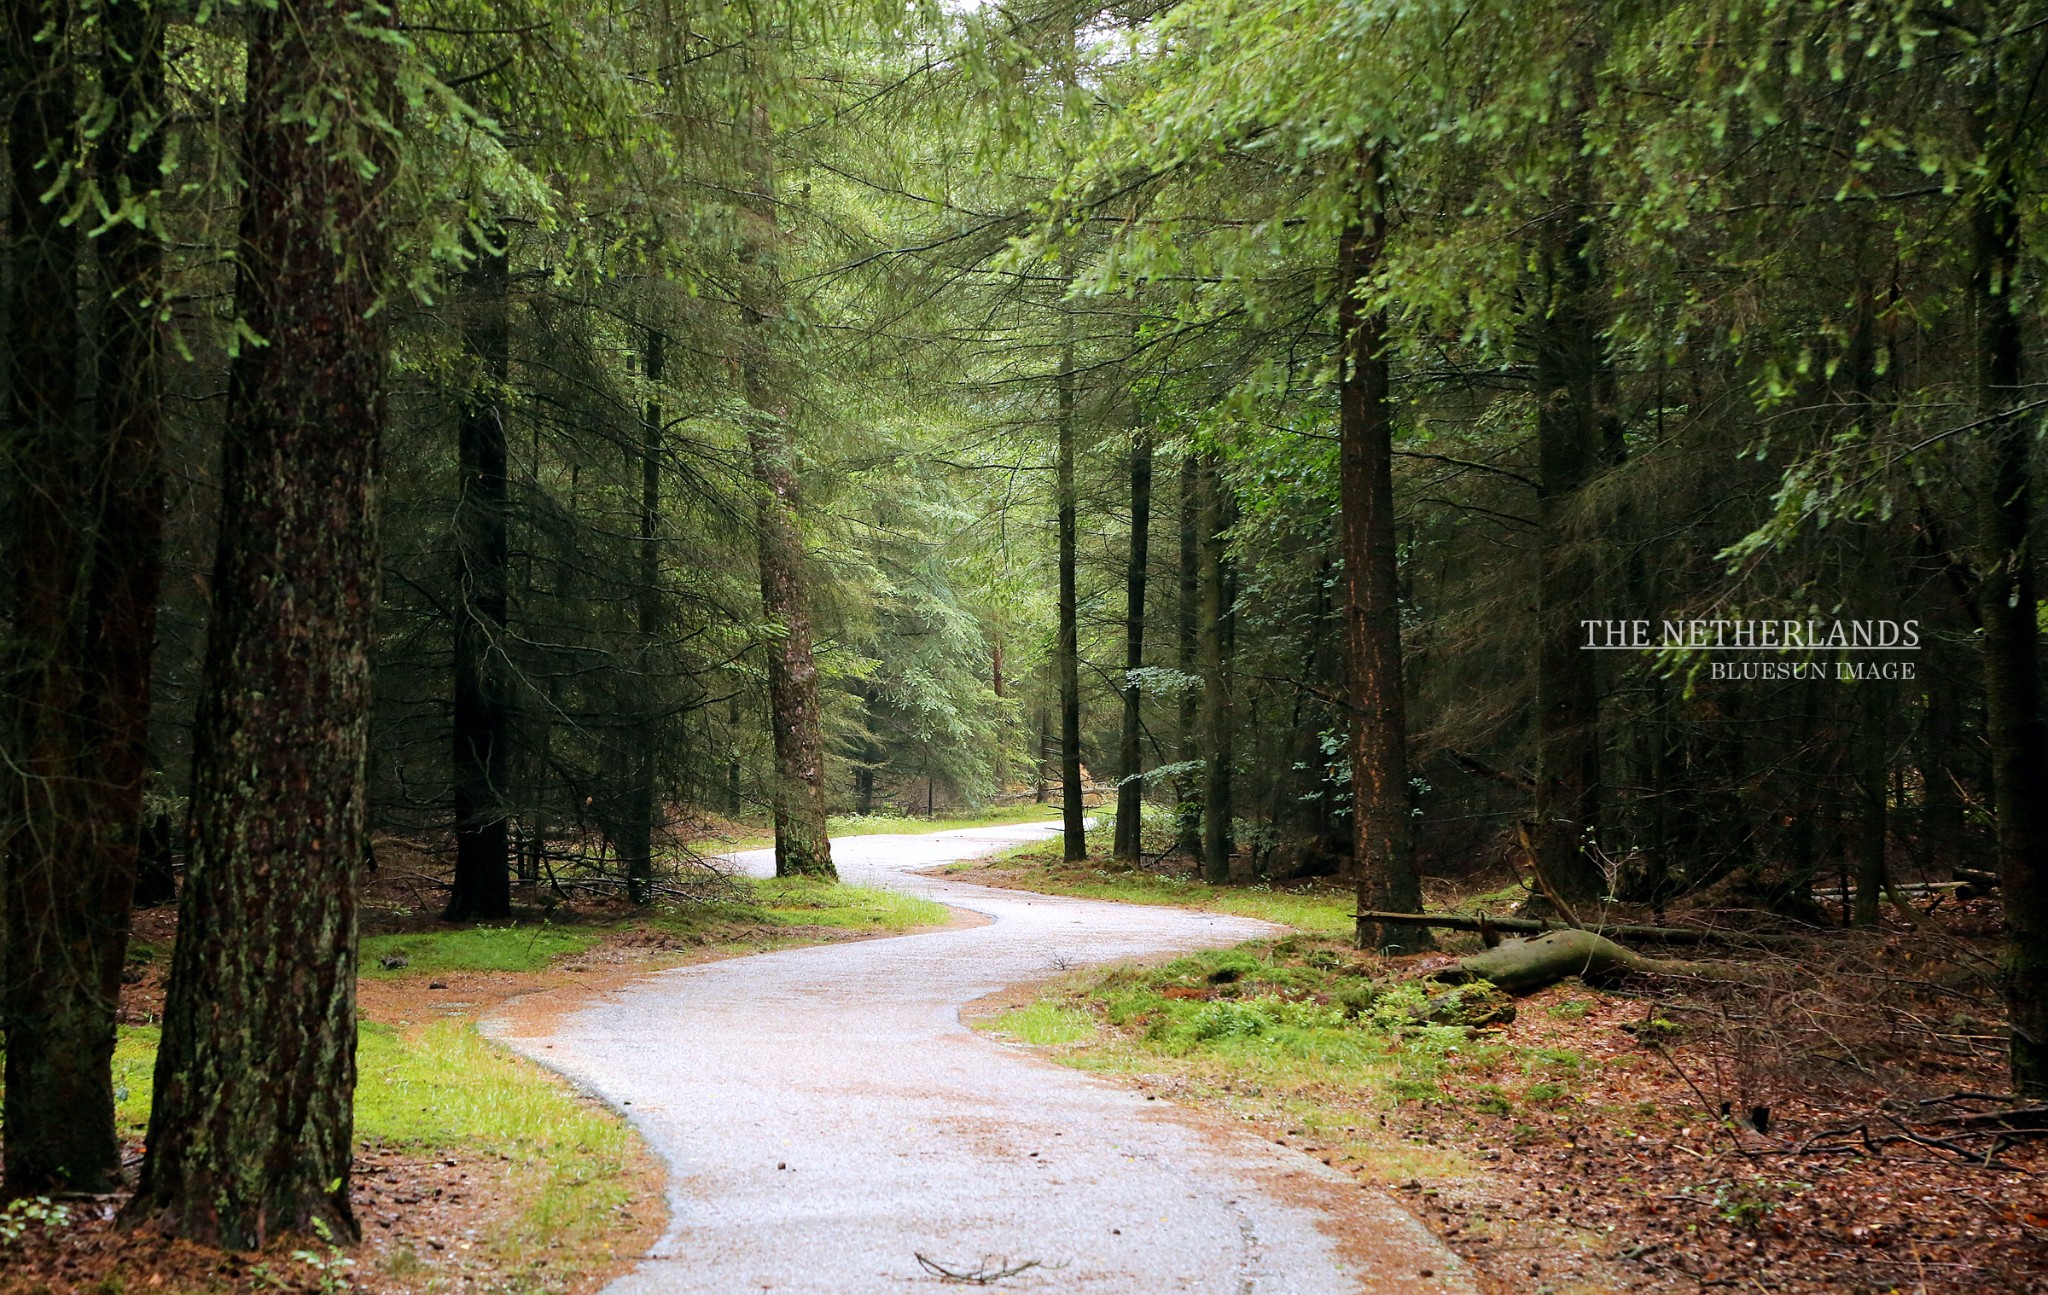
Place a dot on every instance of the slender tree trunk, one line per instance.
(84, 531)
(1187, 785)
(1571, 435)
(482, 886)
(1379, 734)
(1067, 655)
(734, 770)
(636, 848)
(871, 755)
(1002, 722)
(1218, 718)
(803, 846)
(251, 1129)
(1941, 807)
(2016, 734)
(1040, 791)
(1130, 792)
(128, 546)
(1872, 701)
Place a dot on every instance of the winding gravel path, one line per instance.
(826, 1119)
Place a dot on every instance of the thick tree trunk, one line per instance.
(1372, 603)
(482, 886)
(1130, 791)
(803, 846)
(2014, 727)
(83, 527)
(1067, 653)
(1187, 786)
(251, 1131)
(1218, 713)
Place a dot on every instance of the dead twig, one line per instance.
(993, 1269)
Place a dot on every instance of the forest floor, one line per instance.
(1825, 1130)
(476, 1170)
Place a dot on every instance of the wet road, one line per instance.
(827, 1119)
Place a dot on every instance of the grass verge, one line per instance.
(567, 1165)
(1311, 909)
(764, 913)
(475, 1169)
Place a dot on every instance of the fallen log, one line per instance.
(1519, 966)
(1903, 887)
(1975, 882)
(1538, 926)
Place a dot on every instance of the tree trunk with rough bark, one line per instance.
(482, 885)
(1067, 654)
(1187, 786)
(2015, 733)
(1130, 792)
(1382, 847)
(803, 846)
(250, 1134)
(84, 534)
(1218, 711)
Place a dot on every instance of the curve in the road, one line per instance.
(827, 1119)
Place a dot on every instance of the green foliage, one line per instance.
(24, 1213)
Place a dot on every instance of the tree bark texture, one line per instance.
(1130, 792)
(1187, 787)
(1067, 654)
(2016, 735)
(1218, 710)
(483, 704)
(84, 533)
(1382, 832)
(802, 844)
(251, 1131)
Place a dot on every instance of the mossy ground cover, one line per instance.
(1300, 1031)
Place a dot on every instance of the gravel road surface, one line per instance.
(827, 1119)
